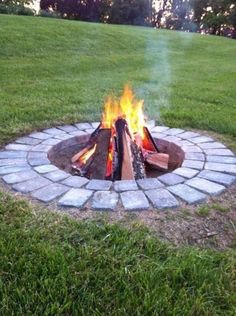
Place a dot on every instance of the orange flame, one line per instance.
(128, 108)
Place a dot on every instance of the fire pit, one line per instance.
(122, 162)
(121, 147)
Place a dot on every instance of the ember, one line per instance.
(121, 148)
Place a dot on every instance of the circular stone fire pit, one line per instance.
(38, 165)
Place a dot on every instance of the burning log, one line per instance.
(98, 166)
(90, 144)
(130, 164)
(148, 142)
(127, 172)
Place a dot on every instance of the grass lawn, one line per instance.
(51, 265)
(57, 71)
(54, 71)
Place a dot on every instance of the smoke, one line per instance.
(159, 59)
(156, 90)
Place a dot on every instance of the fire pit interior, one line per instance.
(61, 154)
(120, 148)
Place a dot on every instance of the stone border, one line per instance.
(208, 169)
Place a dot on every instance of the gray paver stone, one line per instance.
(192, 149)
(63, 136)
(125, 185)
(158, 135)
(38, 161)
(68, 128)
(105, 200)
(75, 181)
(20, 176)
(171, 179)
(13, 154)
(40, 135)
(13, 162)
(173, 139)
(174, 131)
(78, 133)
(41, 148)
(184, 143)
(194, 156)
(211, 145)
(149, 183)
(221, 159)
(228, 168)
(38, 158)
(95, 124)
(188, 135)
(186, 172)
(75, 197)
(187, 193)
(31, 185)
(134, 200)
(45, 168)
(53, 131)
(20, 147)
(218, 177)
(162, 199)
(28, 141)
(34, 154)
(101, 185)
(195, 164)
(83, 126)
(201, 139)
(206, 186)
(219, 152)
(89, 130)
(51, 141)
(13, 169)
(57, 175)
(159, 129)
(50, 192)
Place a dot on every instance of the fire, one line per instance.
(126, 107)
(85, 157)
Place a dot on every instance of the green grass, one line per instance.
(55, 71)
(50, 265)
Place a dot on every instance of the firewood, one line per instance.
(93, 137)
(157, 160)
(127, 172)
(118, 155)
(98, 166)
(79, 154)
(90, 144)
(148, 141)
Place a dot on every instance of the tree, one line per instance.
(214, 22)
(135, 12)
(116, 11)
(232, 17)
(15, 2)
(86, 10)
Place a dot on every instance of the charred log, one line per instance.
(148, 141)
(98, 166)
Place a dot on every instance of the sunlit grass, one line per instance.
(55, 71)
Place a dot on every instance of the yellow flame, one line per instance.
(128, 108)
